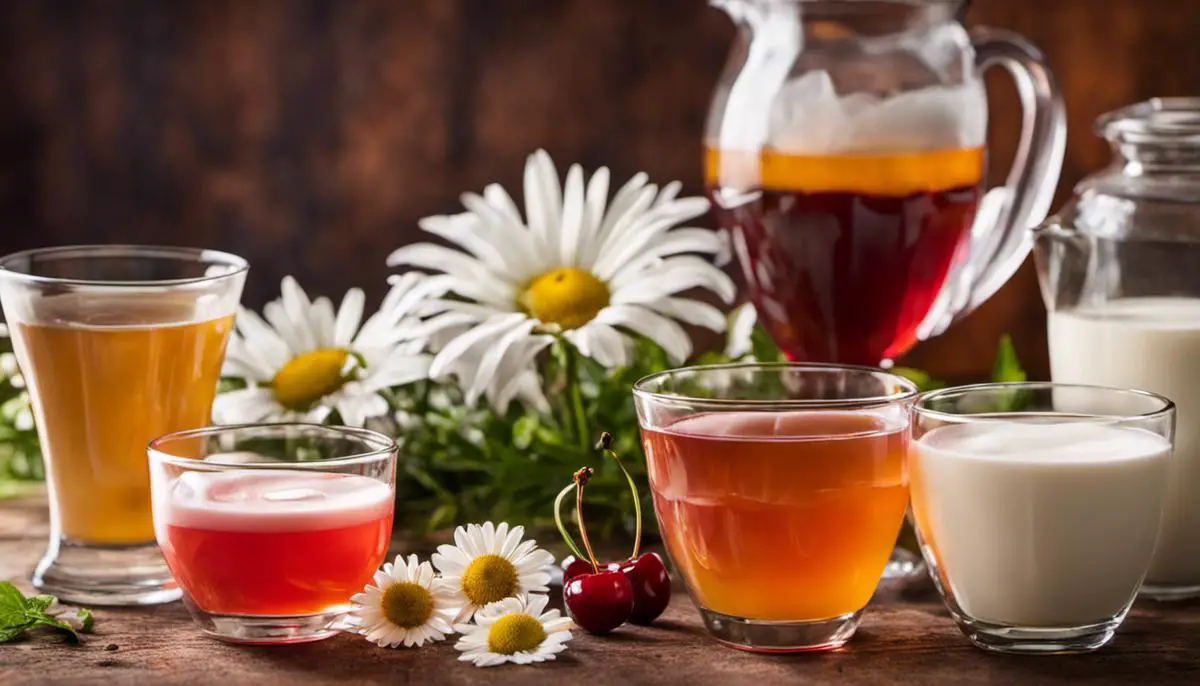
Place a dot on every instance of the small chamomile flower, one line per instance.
(517, 630)
(406, 605)
(489, 563)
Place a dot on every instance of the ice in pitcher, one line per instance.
(273, 542)
(1040, 524)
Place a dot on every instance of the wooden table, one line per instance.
(905, 639)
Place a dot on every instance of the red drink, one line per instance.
(279, 542)
(780, 516)
(844, 255)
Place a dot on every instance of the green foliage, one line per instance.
(19, 614)
(20, 455)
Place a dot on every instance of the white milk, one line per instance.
(1040, 524)
(1152, 344)
(272, 500)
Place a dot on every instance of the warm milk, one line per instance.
(1039, 524)
(1152, 344)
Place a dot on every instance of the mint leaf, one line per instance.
(57, 624)
(922, 379)
(39, 603)
(18, 614)
(1007, 367)
(86, 620)
(12, 606)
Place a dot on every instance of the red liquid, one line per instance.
(780, 516)
(844, 256)
(277, 563)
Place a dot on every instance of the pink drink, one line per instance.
(273, 542)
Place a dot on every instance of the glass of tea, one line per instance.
(117, 344)
(270, 529)
(779, 490)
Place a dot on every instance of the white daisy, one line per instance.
(739, 342)
(305, 360)
(407, 605)
(576, 265)
(517, 630)
(489, 563)
(10, 371)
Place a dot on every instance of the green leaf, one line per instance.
(1007, 367)
(86, 620)
(39, 603)
(58, 625)
(922, 379)
(8, 633)
(12, 606)
(524, 431)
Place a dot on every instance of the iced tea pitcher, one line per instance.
(1118, 271)
(845, 152)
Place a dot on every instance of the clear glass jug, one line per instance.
(845, 153)
(1119, 268)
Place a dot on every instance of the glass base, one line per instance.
(1001, 638)
(762, 636)
(1169, 593)
(267, 630)
(117, 575)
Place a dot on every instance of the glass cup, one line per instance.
(118, 344)
(1038, 506)
(780, 490)
(271, 528)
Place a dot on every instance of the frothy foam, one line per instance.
(1051, 443)
(786, 426)
(275, 500)
(809, 117)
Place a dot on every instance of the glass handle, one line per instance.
(1001, 236)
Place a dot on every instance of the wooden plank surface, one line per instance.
(905, 639)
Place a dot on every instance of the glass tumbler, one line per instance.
(270, 529)
(118, 344)
(1038, 507)
(780, 490)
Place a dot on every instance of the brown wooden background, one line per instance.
(310, 135)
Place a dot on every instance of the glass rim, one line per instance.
(1169, 119)
(238, 265)
(908, 389)
(387, 446)
(920, 405)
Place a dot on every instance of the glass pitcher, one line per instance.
(1119, 268)
(845, 153)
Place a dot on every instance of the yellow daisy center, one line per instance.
(307, 378)
(407, 605)
(489, 578)
(569, 297)
(515, 633)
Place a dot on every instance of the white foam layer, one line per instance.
(809, 117)
(1075, 442)
(789, 426)
(1143, 313)
(274, 500)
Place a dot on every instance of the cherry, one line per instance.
(651, 587)
(599, 602)
(574, 566)
(602, 597)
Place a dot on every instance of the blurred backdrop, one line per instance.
(310, 135)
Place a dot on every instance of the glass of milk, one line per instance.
(1037, 507)
(1118, 266)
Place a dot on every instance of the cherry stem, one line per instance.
(605, 446)
(558, 520)
(581, 479)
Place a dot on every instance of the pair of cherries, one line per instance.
(636, 590)
(601, 597)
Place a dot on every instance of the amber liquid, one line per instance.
(780, 516)
(101, 392)
(844, 256)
